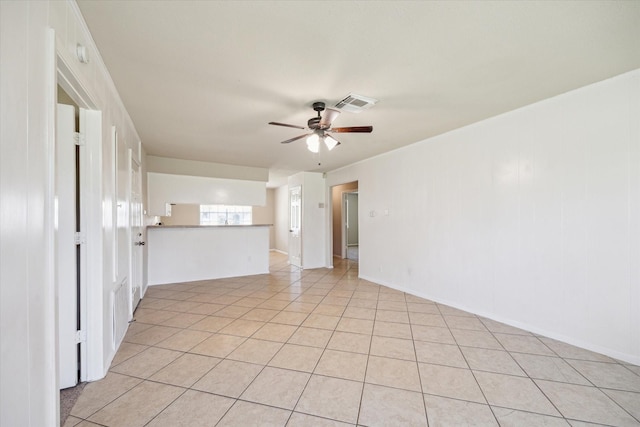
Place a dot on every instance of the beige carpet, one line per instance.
(68, 398)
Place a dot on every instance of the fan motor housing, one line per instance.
(314, 123)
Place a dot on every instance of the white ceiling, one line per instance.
(202, 79)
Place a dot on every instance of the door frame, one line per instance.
(90, 177)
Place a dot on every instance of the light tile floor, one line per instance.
(324, 348)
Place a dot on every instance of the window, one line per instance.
(225, 215)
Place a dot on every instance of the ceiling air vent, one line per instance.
(355, 103)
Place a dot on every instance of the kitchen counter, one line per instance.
(195, 252)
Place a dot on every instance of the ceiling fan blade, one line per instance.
(294, 139)
(328, 116)
(353, 129)
(286, 125)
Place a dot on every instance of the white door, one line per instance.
(137, 240)
(67, 251)
(295, 216)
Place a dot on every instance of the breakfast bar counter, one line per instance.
(187, 253)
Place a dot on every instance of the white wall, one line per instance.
(314, 217)
(28, 49)
(94, 86)
(281, 218)
(531, 217)
(168, 188)
(266, 215)
(28, 395)
(212, 170)
(182, 214)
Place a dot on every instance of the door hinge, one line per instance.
(79, 138)
(78, 238)
(81, 336)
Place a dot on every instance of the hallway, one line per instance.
(324, 348)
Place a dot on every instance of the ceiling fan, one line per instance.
(320, 127)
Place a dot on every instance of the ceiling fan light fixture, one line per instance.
(320, 128)
(313, 143)
(330, 142)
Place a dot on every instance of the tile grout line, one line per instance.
(534, 380)
(265, 366)
(319, 358)
(415, 352)
(251, 382)
(222, 359)
(526, 373)
(366, 367)
(283, 344)
(495, 417)
(249, 286)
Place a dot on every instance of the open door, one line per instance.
(68, 239)
(295, 217)
(137, 240)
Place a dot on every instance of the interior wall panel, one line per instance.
(28, 394)
(530, 217)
